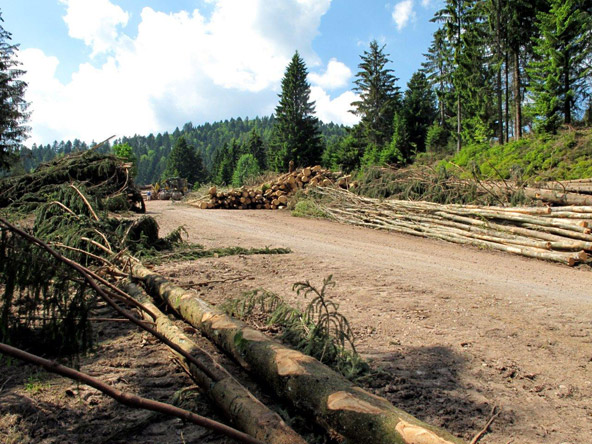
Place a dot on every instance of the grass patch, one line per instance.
(193, 252)
(308, 208)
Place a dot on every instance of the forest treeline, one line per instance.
(214, 149)
(495, 71)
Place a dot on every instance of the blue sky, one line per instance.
(102, 67)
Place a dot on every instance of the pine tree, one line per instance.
(246, 167)
(438, 68)
(559, 72)
(419, 107)
(185, 162)
(520, 28)
(399, 150)
(296, 135)
(257, 149)
(13, 108)
(379, 96)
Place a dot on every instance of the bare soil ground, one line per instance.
(456, 331)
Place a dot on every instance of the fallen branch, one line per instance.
(127, 399)
(495, 412)
(86, 202)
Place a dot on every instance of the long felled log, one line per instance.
(558, 197)
(308, 384)
(246, 411)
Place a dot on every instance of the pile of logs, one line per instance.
(560, 234)
(567, 192)
(274, 195)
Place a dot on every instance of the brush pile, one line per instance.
(274, 195)
(560, 234)
(104, 177)
(436, 185)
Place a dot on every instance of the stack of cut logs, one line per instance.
(566, 192)
(274, 195)
(560, 234)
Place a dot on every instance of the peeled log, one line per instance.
(359, 416)
(246, 411)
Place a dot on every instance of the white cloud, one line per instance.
(334, 110)
(95, 22)
(336, 76)
(403, 13)
(180, 67)
(426, 3)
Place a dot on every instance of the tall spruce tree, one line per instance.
(559, 72)
(520, 21)
(296, 135)
(419, 107)
(438, 68)
(13, 108)
(185, 162)
(379, 96)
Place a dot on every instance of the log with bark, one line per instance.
(307, 384)
(274, 195)
(237, 403)
(558, 197)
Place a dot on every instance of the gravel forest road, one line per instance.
(457, 329)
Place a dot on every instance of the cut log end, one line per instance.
(347, 401)
(414, 434)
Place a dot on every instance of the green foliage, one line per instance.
(379, 96)
(561, 65)
(43, 307)
(125, 152)
(185, 162)
(437, 139)
(348, 153)
(208, 139)
(102, 174)
(13, 108)
(246, 167)
(308, 208)
(297, 135)
(419, 112)
(399, 149)
(320, 330)
(538, 157)
(192, 252)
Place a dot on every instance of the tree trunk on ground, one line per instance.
(557, 197)
(246, 411)
(309, 385)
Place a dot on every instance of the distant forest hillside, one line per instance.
(151, 152)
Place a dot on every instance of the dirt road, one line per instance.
(457, 329)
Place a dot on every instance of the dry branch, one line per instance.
(127, 399)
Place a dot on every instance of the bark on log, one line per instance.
(309, 385)
(558, 197)
(240, 406)
(581, 187)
